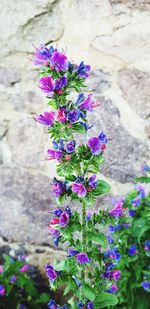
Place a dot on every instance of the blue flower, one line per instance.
(145, 285)
(132, 250)
(80, 98)
(132, 213)
(83, 70)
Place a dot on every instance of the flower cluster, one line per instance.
(77, 167)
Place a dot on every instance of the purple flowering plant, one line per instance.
(17, 289)
(129, 245)
(83, 272)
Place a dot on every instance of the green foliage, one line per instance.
(13, 296)
(134, 267)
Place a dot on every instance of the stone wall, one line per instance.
(114, 38)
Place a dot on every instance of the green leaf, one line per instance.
(71, 285)
(102, 188)
(60, 265)
(143, 179)
(88, 292)
(139, 228)
(43, 299)
(78, 127)
(99, 237)
(105, 300)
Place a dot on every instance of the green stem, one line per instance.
(83, 226)
(83, 243)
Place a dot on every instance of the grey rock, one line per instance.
(3, 128)
(136, 90)
(26, 101)
(124, 154)
(25, 200)
(9, 76)
(27, 141)
(133, 4)
(98, 81)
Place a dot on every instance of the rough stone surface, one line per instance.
(26, 200)
(113, 36)
(135, 86)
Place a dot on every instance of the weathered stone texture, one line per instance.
(114, 37)
(135, 86)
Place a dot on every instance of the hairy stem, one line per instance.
(83, 242)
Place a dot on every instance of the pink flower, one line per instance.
(1, 269)
(59, 61)
(79, 188)
(54, 154)
(117, 211)
(61, 116)
(24, 268)
(47, 85)
(68, 157)
(88, 104)
(47, 118)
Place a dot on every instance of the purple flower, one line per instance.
(61, 82)
(83, 70)
(73, 115)
(113, 289)
(88, 216)
(54, 232)
(90, 305)
(110, 266)
(79, 188)
(59, 187)
(57, 212)
(136, 202)
(147, 245)
(82, 258)
(52, 304)
(24, 268)
(117, 211)
(59, 61)
(80, 305)
(114, 254)
(141, 191)
(21, 306)
(54, 154)
(47, 85)
(43, 55)
(112, 275)
(95, 145)
(64, 219)
(47, 118)
(72, 252)
(70, 147)
(145, 285)
(110, 239)
(51, 273)
(132, 250)
(13, 279)
(92, 182)
(2, 290)
(88, 104)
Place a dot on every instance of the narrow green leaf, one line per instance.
(105, 300)
(88, 292)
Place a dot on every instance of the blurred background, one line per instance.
(113, 36)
